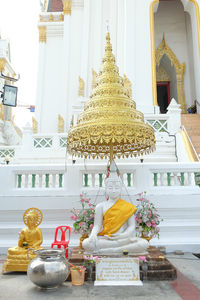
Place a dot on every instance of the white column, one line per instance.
(130, 43)
(174, 113)
(85, 45)
(190, 8)
(140, 59)
(40, 84)
(120, 35)
(76, 40)
(27, 139)
(66, 59)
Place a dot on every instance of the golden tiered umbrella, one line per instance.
(110, 125)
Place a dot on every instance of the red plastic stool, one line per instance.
(62, 242)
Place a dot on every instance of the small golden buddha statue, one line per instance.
(30, 237)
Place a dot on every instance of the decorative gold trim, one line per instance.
(153, 61)
(2, 64)
(81, 87)
(61, 124)
(154, 86)
(52, 18)
(161, 74)
(128, 85)
(61, 18)
(45, 5)
(188, 148)
(34, 125)
(67, 7)
(42, 34)
(163, 49)
(94, 78)
(38, 216)
(1, 111)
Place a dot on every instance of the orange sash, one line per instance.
(116, 216)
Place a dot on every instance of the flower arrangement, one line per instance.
(147, 217)
(142, 258)
(83, 218)
(89, 259)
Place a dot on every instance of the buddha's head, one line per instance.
(113, 186)
(31, 220)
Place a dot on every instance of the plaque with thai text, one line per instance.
(117, 271)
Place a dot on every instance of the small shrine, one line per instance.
(111, 127)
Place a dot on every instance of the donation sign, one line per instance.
(117, 271)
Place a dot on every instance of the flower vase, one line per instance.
(89, 271)
(145, 235)
(144, 269)
(82, 238)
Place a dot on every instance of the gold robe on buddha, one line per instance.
(116, 216)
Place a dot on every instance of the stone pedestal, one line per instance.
(159, 267)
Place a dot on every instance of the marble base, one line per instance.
(118, 283)
(159, 267)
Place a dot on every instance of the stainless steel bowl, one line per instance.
(49, 269)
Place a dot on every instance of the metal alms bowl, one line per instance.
(49, 269)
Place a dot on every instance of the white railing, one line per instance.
(158, 122)
(39, 179)
(72, 180)
(7, 151)
(49, 141)
(148, 176)
(40, 141)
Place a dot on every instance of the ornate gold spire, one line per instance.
(110, 124)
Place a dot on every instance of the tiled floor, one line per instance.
(186, 287)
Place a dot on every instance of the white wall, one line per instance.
(138, 65)
(178, 205)
(76, 40)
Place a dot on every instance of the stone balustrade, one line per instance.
(74, 178)
(55, 189)
(38, 148)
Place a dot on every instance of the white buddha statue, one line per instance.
(114, 223)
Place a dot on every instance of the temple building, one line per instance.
(156, 45)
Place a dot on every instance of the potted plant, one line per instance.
(147, 218)
(83, 218)
(89, 261)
